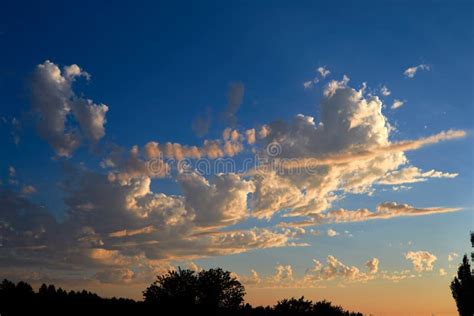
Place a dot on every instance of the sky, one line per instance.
(312, 148)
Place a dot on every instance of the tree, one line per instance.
(218, 289)
(462, 288)
(211, 290)
(173, 289)
(293, 306)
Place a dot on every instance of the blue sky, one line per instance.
(159, 66)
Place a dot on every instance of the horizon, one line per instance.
(312, 149)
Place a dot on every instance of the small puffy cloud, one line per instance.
(452, 256)
(385, 91)
(235, 96)
(334, 85)
(335, 269)
(396, 104)
(372, 265)
(410, 72)
(283, 274)
(28, 189)
(55, 102)
(332, 233)
(252, 279)
(251, 136)
(442, 272)
(11, 172)
(421, 260)
(323, 71)
(201, 124)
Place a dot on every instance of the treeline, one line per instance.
(181, 292)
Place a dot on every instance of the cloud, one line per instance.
(397, 276)
(332, 233)
(251, 136)
(220, 203)
(397, 147)
(442, 272)
(283, 274)
(452, 256)
(384, 210)
(118, 228)
(11, 172)
(348, 150)
(323, 71)
(372, 265)
(55, 103)
(385, 91)
(28, 189)
(396, 104)
(201, 124)
(252, 279)
(235, 96)
(115, 276)
(308, 84)
(413, 175)
(15, 128)
(421, 260)
(335, 269)
(410, 72)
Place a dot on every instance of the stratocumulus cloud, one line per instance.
(121, 229)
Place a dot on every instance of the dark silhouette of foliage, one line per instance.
(176, 288)
(208, 292)
(462, 288)
(218, 289)
(293, 306)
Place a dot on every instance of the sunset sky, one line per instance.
(313, 149)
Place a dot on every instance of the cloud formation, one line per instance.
(397, 104)
(410, 72)
(235, 97)
(119, 228)
(54, 101)
(421, 260)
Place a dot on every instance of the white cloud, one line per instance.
(332, 233)
(335, 269)
(442, 272)
(54, 101)
(220, 203)
(410, 72)
(421, 260)
(372, 265)
(413, 175)
(385, 91)
(323, 71)
(397, 104)
(28, 189)
(452, 256)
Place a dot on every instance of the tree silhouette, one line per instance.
(293, 306)
(218, 289)
(462, 288)
(209, 292)
(174, 289)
